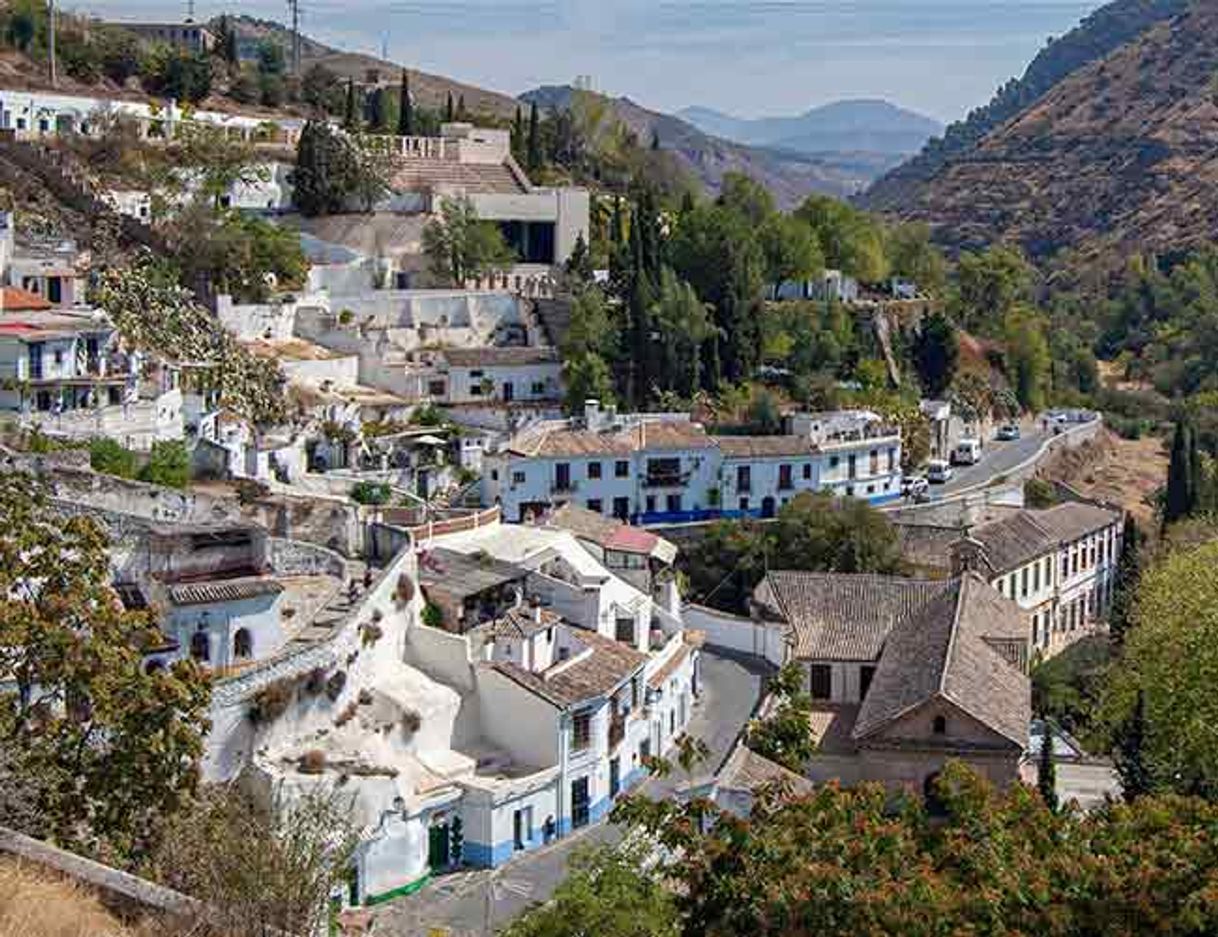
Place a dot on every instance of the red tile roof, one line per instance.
(15, 299)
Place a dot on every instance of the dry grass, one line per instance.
(1122, 471)
(35, 903)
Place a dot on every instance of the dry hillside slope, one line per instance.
(1122, 154)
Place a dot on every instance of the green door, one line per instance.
(438, 853)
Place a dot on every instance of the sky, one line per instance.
(746, 57)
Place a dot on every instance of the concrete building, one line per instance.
(906, 674)
(664, 468)
(188, 35)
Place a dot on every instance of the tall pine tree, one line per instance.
(535, 158)
(462, 113)
(450, 113)
(1137, 778)
(1181, 498)
(1128, 575)
(1046, 768)
(350, 115)
(518, 135)
(405, 108)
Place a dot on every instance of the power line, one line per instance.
(294, 6)
(51, 37)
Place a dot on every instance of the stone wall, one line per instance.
(296, 558)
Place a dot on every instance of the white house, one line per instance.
(664, 468)
(1059, 565)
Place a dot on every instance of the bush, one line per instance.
(411, 722)
(168, 465)
(370, 633)
(110, 458)
(272, 701)
(1039, 494)
(312, 762)
(371, 493)
(432, 616)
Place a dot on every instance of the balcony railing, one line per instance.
(564, 487)
(665, 481)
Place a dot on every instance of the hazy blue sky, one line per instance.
(751, 57)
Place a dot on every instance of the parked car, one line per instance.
(938, 472)
(1008, 433)
(914, 485)
(967, 452)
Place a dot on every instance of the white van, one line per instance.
(967, 452)
(938, 472)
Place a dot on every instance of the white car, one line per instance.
(967, 452)
(914, 485)
(938, 472)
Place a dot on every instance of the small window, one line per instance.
(651, 504)
(243, 644)
(538, 388)
(581, 732)
(624, 630)
(866, 674)
(621, 508)
(436, 388)
(1023, 583)
(939, 726)
(621, 469)
(744, 504)
(673, 504)
(807, 471)
(596, 506)
(594, 470)
(820, 681)
(518, 478)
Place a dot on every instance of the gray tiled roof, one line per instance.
(225, 590)
(461, 574)
(747, 771)
(1016, 541)
(507, 356)
(947, 651)
(835, 616)
(520, 623)
(609, 665)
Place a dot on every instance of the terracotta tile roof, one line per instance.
(835, 616)
(500, 357)
(748, 772)
(656, 680)
(610, 533)
(225, 590)
(652, 437)
(609, 665)
(765, 447)
(928, 547)
(519, 623)
(15, 299)
(1075, 519)
(947, 651)
(464, 574)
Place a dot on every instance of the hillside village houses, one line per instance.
(665, 468)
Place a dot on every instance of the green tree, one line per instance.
(350, 109)
(746, 197)
(1128, 577)
(912, 255)
(1130, 753)
(790, 248)
(326, 168)
(450, 111)
(785, 734)
(990, 284)
(1180, 498)
(106, 749)
(609, 893)
(587, 377)
(684, 325)
(320, 89)
(579, 264)
(936, 354)
(215, 163)
(405, 108)
(226, 41)
(168, 464)
(1027, 357)
(460, 246)
(850, 240)
(1046, 767)
(534, 151)
(110, 458)
(270, 57)
(1170, 657)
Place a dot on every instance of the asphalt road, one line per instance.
(459, 904)
(998, 458)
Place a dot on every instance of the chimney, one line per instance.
(592, 414)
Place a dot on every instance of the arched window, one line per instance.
(243, 644)
(200, 646)
(939, 726)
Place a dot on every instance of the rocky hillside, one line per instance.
(791, 177)
(1122, 154)
(1100, 34)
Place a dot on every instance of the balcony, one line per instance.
(665, 481)
(570, 486)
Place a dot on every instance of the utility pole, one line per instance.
(294, 6)
(51, 37)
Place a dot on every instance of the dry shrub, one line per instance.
(272, 701)
(38, 903)
(312, 762)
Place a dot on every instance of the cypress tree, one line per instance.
(462, 113)
(518, 135)
(655, 140)
(405, 109)
(1180, 499)
(1046, 770)
(1129, 572)
(350, 119)
(1130, 754)
(534, 154)
(450, 113)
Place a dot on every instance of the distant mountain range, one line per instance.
(863, 126)
(790, 175)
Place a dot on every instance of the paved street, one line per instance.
(998, 459)
(457, 905)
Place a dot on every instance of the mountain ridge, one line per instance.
(851, 125)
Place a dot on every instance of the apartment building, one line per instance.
(665, 468)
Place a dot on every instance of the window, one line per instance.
(581, 803)
(744, 504)
(744, 478)
(1065, 567)
(621, 469)
(200, 647)
(562, 476)
(854, 466)
(621, 508)
(834, 461)
(865, 676)
(939, 726)
(243, 644)
(1036, 577)
(518, 478)
(1023, 583)
(786, 478)
(522, 827)
(581, 732)
(664, 472)
(820, 681)
(673, 504)
(807, 471)
(596, 506)
(849, 491)
(594, 470)
(651, 504)
(494, 475)
(436, 388)
(624, 630)
(672, 722)
(538, 388)
(873, 462)
(892, 460)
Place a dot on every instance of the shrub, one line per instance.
(371, 493)
(272, 701)
(1039, 494)
(411, 722)
(346, 715)
(334, 686)
(371, 633)
(110, 458)
(346, 317)
(168, 465)
(432, 616)
(312, 762)
(316, 681)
